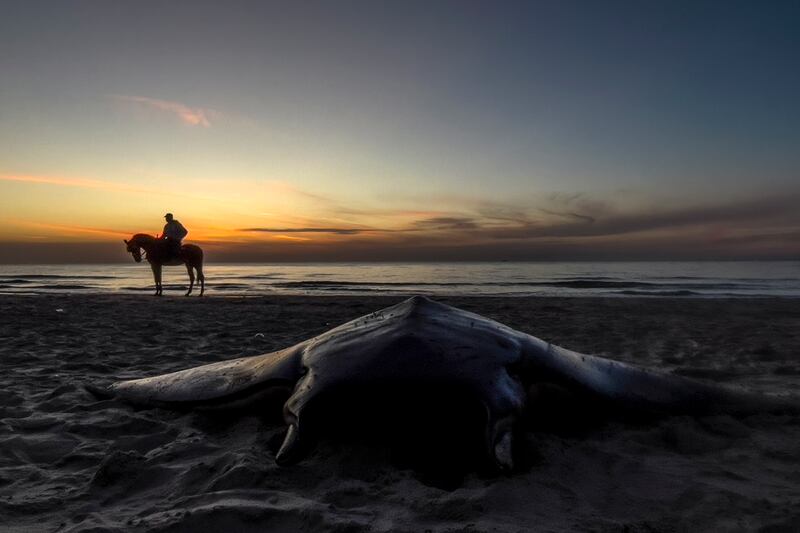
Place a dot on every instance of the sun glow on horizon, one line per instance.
(275, 213)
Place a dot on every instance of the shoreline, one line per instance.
(178, 294)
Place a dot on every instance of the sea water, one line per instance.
(654, 279)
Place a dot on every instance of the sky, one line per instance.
(410, 131)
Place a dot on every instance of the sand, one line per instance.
(69, 462)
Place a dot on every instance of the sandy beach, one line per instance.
(69, 462)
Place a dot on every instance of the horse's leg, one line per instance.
(191, 278)
(154, 268)
(160, 282)
(157, 274)
(201, 278)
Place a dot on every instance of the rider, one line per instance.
(173, 233)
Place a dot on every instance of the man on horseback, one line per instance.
(190, 255)
(173, 234)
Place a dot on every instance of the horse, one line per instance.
(156, 254)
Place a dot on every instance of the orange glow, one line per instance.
(290, 238)
(198, 234)
(77, 182)
(245, 217)
(77, 230)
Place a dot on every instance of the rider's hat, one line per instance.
(168, 215)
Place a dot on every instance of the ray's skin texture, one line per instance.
(420, 342)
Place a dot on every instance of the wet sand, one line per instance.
(69, 462)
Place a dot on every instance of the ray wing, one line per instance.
(215, 382)
(641, 389)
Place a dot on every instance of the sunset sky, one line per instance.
(337, 130)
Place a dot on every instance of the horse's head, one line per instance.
(134, 248)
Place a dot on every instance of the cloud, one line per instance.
(447, 223)
(513, 223)
(763, 212)
(76, 182)
(191, 116)
(291, 238)
(576, 216)
(105, 185)
(425, 224)
(64, 229)
(336, 231)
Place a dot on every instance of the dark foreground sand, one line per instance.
(71, 463)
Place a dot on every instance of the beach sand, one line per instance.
(69, 462)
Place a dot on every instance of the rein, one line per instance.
(143, 250)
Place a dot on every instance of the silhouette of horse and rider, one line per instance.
(168, 250)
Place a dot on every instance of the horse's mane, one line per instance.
(142, 236)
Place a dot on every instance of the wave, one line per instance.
(752, 280)
(227, 286)
(151, 287)
(682, 292)
(4, 278)
(589, 278)
(592, 284)
(338, 283)
(60, 286)
(345, 288)
(577, 283)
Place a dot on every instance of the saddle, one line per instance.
(169, 250)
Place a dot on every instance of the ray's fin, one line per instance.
(639, 389)
(101, 393)
(216, 382)
(293, 449)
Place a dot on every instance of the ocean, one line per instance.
(620, 279)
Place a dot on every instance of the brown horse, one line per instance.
(157, 255)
